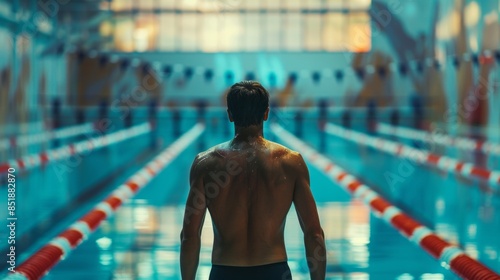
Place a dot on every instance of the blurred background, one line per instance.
(93, 90)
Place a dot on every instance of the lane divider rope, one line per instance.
(64, 152)
(448, 254)
(17, 127)
(31, 139)
(442, 139)
(58, 248)
(418, 155)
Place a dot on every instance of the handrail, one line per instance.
(442, 139)
(58, 248)
(421, 156)
(447, 253)
(31, 139)
(41, 159)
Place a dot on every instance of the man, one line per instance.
(248, 185)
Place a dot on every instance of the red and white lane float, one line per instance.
(42, 137)
(64, 152)
(449, 255)
(417, 155)
(58, 248)
(462, 143)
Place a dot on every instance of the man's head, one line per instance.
(247, 103)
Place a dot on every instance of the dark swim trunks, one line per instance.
(274, 271)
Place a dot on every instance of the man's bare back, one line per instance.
(255, 191)
(248, 185)
(249, 189)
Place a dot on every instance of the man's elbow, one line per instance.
(314, 241)
(315, 234)
(184, 235)
(187, 235)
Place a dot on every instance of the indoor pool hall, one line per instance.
(165, 139)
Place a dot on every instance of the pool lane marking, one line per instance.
(38, 264)
(64, 152)
(420, 156)
(450, 255)
(442, 139)
(31, 139)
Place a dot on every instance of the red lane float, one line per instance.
(439, 138)
(58, 248)
(450, 255)
(41, 159)
(420, 156)
(26, 140)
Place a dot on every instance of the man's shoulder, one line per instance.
(211, 155)
(283, 151)
(221, 151)
(281, 148)
(291, 161)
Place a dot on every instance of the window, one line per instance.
(209, 35)
(313, 25)
(231, 32)
(334, 32)
(167, 39)
(272, 33)
(189, 30)
(293, 32)
(242, 26)
(252, 36)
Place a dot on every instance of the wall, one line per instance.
(405, 31)
(30, 75)
(34, 80)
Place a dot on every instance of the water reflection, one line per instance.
(142, 242)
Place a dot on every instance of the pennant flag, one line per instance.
(250, 76)
(456, 61)
(382, 72)
(437, 65)
(339, 75)
(272, 79)
(403, 69)
(420, 67)
(103, 60)
(293, 77)
(167, 70)
(124, 64)
(209, 74)
(316, 76)
(229, 77)
(360, 73)
(188, 73)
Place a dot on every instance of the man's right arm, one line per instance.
(314, 239)
(194, 217)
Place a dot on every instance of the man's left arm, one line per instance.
(194, 216)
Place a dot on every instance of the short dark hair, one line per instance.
(247, 101)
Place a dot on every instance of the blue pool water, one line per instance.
(142, 240)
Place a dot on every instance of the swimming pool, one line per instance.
(142, 240)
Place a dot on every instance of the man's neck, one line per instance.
(248, 133)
